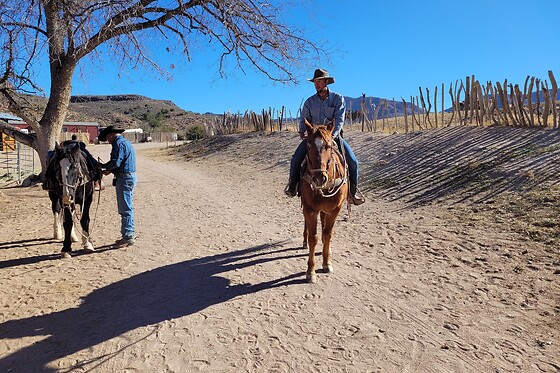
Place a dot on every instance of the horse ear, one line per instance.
(310, 129)
(330, 126)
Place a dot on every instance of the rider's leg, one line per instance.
(352, 161)
(295, 169)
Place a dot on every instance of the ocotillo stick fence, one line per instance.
(470, 102)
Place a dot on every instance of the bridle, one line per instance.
(332, 185)
(66, 165)
(81, 182)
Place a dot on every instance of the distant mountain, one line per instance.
(355, 104)
(533, 100)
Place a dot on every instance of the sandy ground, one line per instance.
(216, 283)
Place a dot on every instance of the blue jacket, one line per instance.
(123, 158)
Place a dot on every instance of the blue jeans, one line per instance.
(301, 151)
(125, 192)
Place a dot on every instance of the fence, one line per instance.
(16, 163)
(472, 103)
(271, 119)
(469, 103)
(136, 137)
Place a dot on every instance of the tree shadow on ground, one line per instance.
(164, 293)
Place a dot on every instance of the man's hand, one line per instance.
(302, 135)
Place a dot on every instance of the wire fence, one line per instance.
(17, 162)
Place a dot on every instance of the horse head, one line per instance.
(72, 171)
(320, 145)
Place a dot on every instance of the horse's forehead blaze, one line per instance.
(64, 166)
(318, 144)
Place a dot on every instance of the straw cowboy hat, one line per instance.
(322, 74)
(111, 129)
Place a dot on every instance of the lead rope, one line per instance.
(77, 218)
(98, 197)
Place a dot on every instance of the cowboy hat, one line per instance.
(111, 129)
(322, 74)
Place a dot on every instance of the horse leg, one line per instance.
(327, 223)
(310, 218)
(56, 206)
(305, 245)
(84, 222)
(73, 235)
(68, 228)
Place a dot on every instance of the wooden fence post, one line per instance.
(395, 114)
(405, 116)
(453, 103)
(538, 91)
(546, 95)
(435, 105)
(375, 113)
(442, 104)
(553, 97)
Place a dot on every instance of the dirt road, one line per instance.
(216, 283)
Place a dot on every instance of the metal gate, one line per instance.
(17, 161)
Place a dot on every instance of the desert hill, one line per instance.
(132, 111)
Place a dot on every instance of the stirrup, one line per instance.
(357, 198)
(291, 191)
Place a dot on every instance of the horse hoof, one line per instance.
(65, 255)
(304, 245)
(328, 268)
(311, 278)
(88, 247)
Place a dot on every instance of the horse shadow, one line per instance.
(44, 257)
(164, 293)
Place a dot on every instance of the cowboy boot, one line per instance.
(356, 198)
(291, 188)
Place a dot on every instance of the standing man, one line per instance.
(123, 165)
(321, 108)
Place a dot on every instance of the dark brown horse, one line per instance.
(70, 183)
(323, 192)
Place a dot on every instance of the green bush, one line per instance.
(195, 133)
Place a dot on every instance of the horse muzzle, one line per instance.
(320, 180)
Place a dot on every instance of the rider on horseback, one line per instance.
(320, 109)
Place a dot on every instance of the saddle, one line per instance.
(51, 182)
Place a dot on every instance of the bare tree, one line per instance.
(62, 33)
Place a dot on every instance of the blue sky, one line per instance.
(382, 48)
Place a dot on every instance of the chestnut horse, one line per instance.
(323, 192)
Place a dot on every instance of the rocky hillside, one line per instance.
(131, 111)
